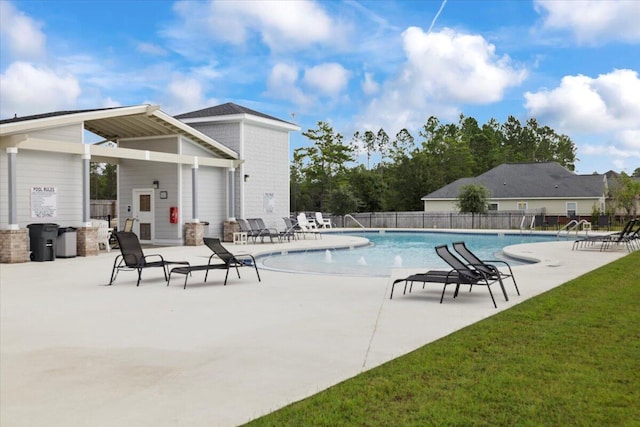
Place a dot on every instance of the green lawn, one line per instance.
(568, 357)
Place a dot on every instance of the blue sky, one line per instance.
(360, 65)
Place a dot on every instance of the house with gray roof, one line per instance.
(544, 187)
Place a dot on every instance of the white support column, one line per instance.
(194, 189)
(12, 153)
(231, 194)
(86, 185)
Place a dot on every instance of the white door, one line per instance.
(143, 213)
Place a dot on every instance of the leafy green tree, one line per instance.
(103, 181)
(325, 160)
(626, 193)
(473, 199)
(342, 201)
(368, 186)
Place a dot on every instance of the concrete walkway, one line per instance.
(75, 352)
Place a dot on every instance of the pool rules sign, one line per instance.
(44, 202)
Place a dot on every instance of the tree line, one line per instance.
(326, 177)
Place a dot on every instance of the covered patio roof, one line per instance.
(114, 124)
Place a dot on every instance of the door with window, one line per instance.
(143, 213)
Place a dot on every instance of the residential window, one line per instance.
(492, 207)
(522, 206)
(572, 209)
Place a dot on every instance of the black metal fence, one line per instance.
(504, 220)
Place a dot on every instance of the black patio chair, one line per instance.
(293, 227)
(628, 236)
(486, 265)
(607, 240)
(262, 231)
(133, 258)
(246, 228)
(228, 259)
(460, 274)
(289, 232)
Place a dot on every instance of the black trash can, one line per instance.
(66, 243)
(42, 239)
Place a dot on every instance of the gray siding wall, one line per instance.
(70, 133)
(227, 134)
(212, 204)
(136, 174)
(266, 154)
(164, 145)
(63, 171)
(189, 148)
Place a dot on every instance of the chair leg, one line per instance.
(256, 268)
(139, 276)
(114, 271)
(225, 277)
(491, 293)
(514, 282)
(504, 292)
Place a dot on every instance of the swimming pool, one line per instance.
(392, 249)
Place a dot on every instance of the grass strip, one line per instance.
(570, 356)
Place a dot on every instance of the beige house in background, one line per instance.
(544, 187)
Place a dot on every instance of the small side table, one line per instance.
(239, 238)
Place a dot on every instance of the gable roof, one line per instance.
(225, 111)
(50, 114)
(528, 180)
(117, 123)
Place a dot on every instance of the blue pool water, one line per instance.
(393, 250)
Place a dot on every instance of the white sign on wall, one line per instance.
(44, 202)
(269, 202)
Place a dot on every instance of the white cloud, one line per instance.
(369, 85)
(329, 78)
(593, 21)
(283, 84)
(185, 93)
(584, 104)
(457, 67)
(29, 89)
(110, 103)
(605, 109)
(443, 70)
(20, 34)
(151, 49)
(282, 25)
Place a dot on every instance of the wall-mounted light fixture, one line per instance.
(246, 178)
(156, 184)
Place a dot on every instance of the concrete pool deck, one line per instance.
(74, 352)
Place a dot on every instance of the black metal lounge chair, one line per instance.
(606, 240)
(629, 238)
(292, 228)
(228, 259)
(246, 228)
(460, 274)
(288, 233)
(486, 265)
(133, 258)
(262, 231)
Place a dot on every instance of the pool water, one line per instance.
(393, 250)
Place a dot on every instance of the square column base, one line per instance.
(193, 234)
(229, 228)
(13, 246)
(87, 241)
